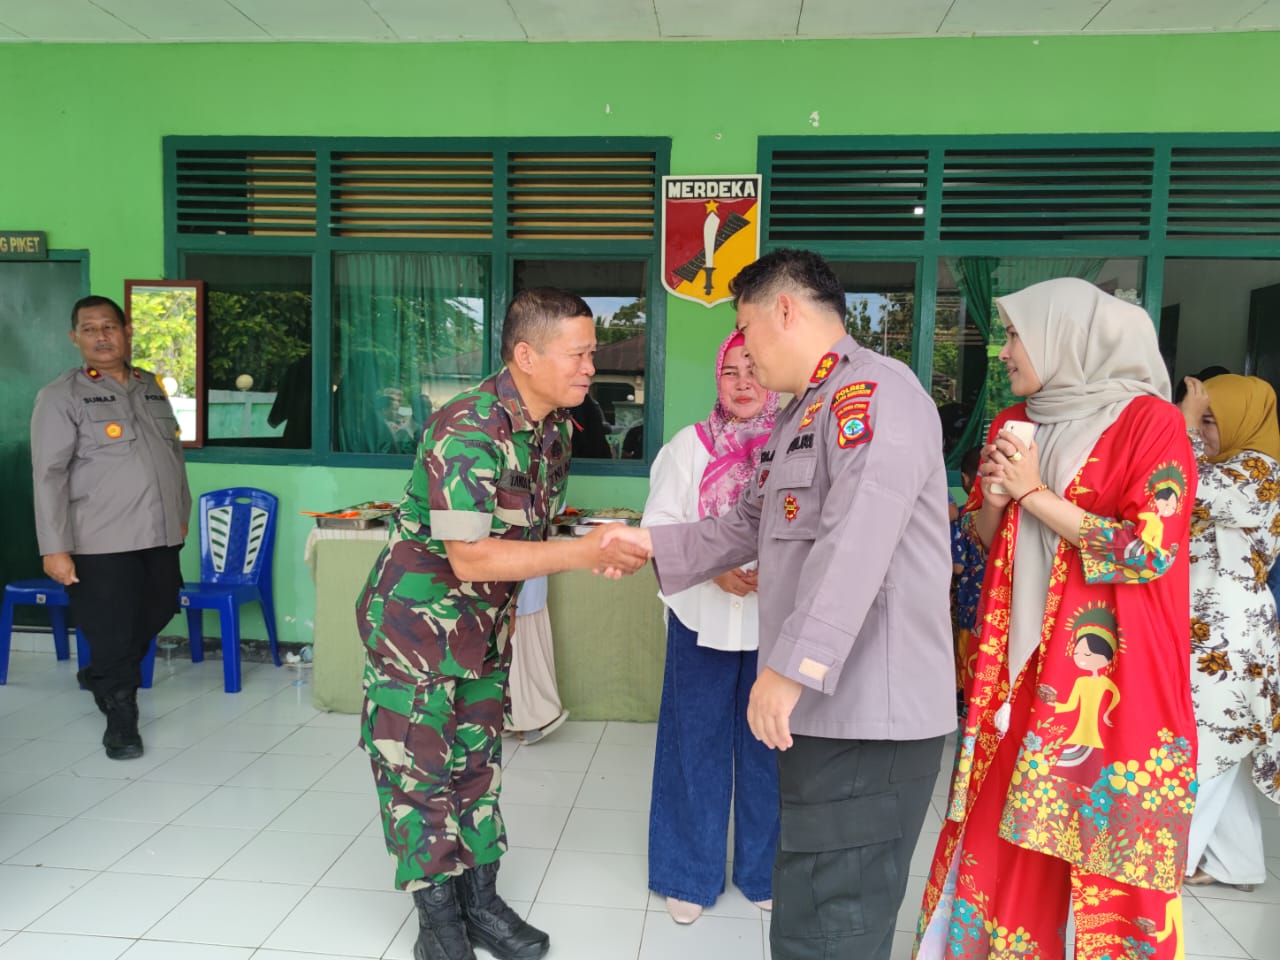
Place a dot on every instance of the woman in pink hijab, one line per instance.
(705, 755)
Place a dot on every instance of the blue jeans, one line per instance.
(705, 754)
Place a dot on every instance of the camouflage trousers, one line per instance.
(438, 771)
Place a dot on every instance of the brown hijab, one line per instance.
(1245, 408)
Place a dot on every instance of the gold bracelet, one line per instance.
(1018, 500)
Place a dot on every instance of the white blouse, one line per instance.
(721, 620)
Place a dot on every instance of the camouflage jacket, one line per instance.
(483, 468)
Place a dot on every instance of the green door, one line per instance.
(35, 315)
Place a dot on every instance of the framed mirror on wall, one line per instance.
(167, 317)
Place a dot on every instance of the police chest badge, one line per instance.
(790, 507)
(850, 408)
(710, 231)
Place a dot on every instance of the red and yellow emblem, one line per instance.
(710, 231)
(809, 413)
(114, 431)
(824, 367)
(851, 406)
(790, 507)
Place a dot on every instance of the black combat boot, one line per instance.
(494, 925)
(441, 933)
(122, 740)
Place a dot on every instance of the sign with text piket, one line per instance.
(23, 245)
(710, 231)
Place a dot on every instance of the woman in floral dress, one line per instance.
(1075, 773)
(1235, 639)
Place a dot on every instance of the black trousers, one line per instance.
(851, 814)
(121, 602)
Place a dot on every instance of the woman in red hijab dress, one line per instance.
(1075, 773)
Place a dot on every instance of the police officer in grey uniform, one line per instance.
(111, 505)
(848, 515)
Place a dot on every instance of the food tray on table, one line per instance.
(578, 523)
(362, 516)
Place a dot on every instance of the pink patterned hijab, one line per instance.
(734, 444)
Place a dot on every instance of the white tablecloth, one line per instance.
(338, 533)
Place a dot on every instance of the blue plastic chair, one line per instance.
(237, 534)
(52, 594)
(148, 662)
(34, 593)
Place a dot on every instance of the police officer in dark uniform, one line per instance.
(111, 508)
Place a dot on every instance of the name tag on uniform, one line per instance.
(511, 480)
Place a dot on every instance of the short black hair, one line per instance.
(535, 315)
(1208, 373)
(969, 463)
(1097, 645)
(800, 270)
(95, 301)
(1164, 493)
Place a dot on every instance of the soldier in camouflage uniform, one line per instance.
(491, 471)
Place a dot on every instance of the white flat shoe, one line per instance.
(533, 736)
(682, 911)
(765, 905)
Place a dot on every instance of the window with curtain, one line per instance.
(257, 354)
(609, 424)
(409, 333)
(880, 305)
(968, 336)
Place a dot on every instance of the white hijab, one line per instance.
(1093, 354)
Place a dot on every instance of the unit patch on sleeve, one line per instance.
(809, 413)
(851, 406)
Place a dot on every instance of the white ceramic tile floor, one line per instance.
(249, 832)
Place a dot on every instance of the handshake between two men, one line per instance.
(619, 549)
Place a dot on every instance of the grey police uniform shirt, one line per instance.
(848, 514)
(107, 465)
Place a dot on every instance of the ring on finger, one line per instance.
(1015, 456)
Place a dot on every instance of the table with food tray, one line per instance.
(609, 635)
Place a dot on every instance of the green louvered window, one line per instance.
(409, 241)
(234, 192)
(1139, 214)
(818, 196)
(1046, 194)
(1224, 192)
(581, 196)
(1053, 191)
(436, 195)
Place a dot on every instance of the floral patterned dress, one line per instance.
(1085, 798)
(1235, 639)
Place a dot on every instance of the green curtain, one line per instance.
(975, 277)
(408, 333)
(981, 280)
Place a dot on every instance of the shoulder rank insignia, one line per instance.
(850, 406)
(824, 367)
(809, 413)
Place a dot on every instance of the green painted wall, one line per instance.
(80, 143)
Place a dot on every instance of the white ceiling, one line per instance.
(168, 21)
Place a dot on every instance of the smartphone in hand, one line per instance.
(1024, 430)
